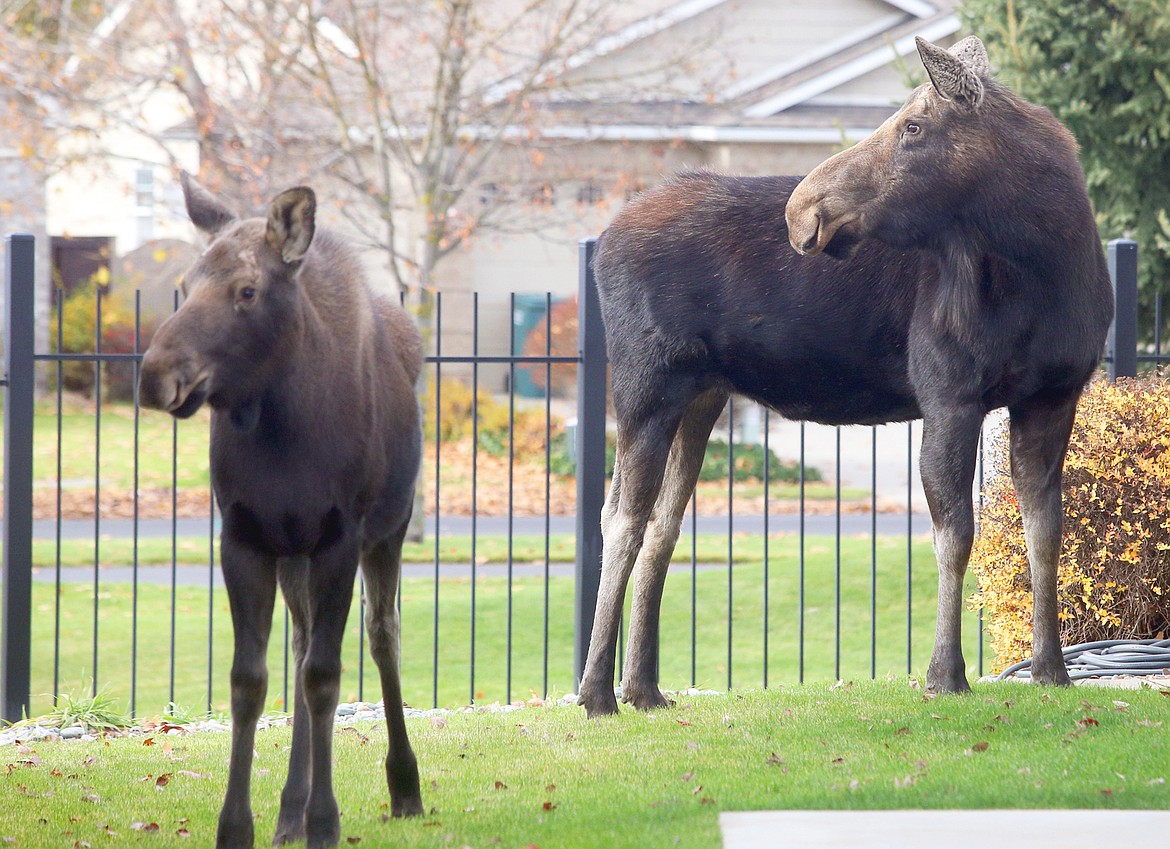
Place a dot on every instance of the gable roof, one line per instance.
(791, 99)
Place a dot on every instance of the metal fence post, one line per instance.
(591, 405)
(20, 335)
(1123, 332)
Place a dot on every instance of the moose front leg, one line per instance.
(950, 443)
(329, 594)
(1039, 439)
(251, 586)
(290, 823)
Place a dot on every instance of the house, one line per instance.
(744, 86)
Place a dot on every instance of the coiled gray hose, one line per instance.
(1103, 658)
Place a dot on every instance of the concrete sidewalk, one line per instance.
(1002, 829)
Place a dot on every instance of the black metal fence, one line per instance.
(822, 579)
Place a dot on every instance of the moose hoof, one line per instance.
(1057, 677)
(400, 808)
(289, 833)
(947, 683)
(648, 698)
(597, 701)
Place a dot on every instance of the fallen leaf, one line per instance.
(501, 785)
(687, 776)
(550, 788)
(981, 746)
(683, 721)
(1106, 791)
(353, 841)
(182, 832)
(163, 780)
(549, 806)
(144, 826)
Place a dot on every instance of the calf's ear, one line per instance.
(953, 78)
(292, 222)
(205, 211)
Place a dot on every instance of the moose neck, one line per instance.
(1035, 212)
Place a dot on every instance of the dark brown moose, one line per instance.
(964, 274)
(314, 450)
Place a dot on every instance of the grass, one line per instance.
(167, 659)
(549, 777)
(158, 438)
(525, 548)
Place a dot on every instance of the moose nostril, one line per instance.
(810, 240)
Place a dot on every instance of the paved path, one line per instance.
(1006, 829)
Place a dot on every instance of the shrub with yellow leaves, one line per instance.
(1113, 581)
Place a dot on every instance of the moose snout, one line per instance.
(172, 385)
(804, 225)
(804, 232)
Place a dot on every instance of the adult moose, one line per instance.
(314, 449)
(964, 274)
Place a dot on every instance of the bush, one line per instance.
(1114, 573)
(455, 421)
(78, 320)
(749, 463)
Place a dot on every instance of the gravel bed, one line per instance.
(348, 714)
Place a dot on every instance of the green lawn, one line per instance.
(66, 620)
(548, 777)
(159, 437)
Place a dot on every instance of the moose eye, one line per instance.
(912, 129)
(248, 294)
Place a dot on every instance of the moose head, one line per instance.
(916, 177)
(241, 313)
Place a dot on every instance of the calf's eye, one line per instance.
(912, 129)
(247, 294)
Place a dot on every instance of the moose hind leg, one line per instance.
(1039, 439)
(640, 675)
(381, 565)
(251, 587)
(642, 450)
(949, 446)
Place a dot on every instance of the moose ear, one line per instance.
(953, 78)
(206, 213)
(291, 223)
(971, 52)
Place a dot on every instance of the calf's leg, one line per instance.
(251, 586)
(950, 442)
(1039, 439)
(640, 676)
(290, 823)
(381, 565)
(319, 595)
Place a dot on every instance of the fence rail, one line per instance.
(810, 592)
